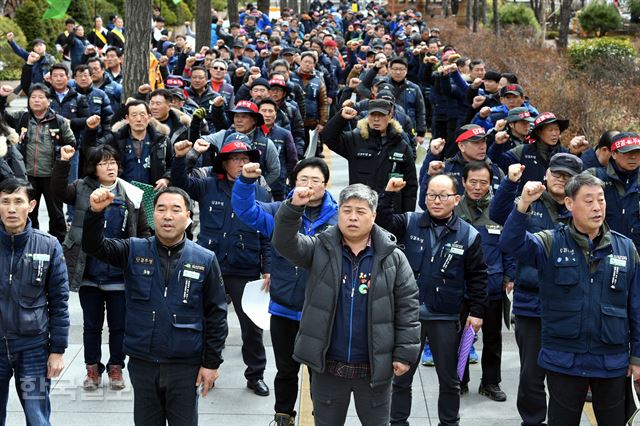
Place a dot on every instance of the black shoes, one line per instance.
(464, 388)
(493, 392)
(259, 387)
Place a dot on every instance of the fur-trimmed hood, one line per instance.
(10, 138)
(182, 116)
(363, 127)
(158, 127)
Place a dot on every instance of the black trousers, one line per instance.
(57, 224)
(164, 392)
(283, 336)
(253, 353)
(532, 398)
(444, 339)
(94, 301)
(331, 397)
(491, 360)
(567, 396)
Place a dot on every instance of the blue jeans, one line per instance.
(30, 369)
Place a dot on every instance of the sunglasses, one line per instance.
(219, 68)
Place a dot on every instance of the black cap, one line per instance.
(238, 44)
(261, 81)
(514, 89)
(380, 105)
(519, 114)
(565, 163)
(386, 95)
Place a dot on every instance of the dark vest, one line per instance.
(165, 321)
(311, 95)
(585, 311)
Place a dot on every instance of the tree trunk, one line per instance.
(565, 21)
(232, 10)
(475, 15)
(136, 46)
(484, 12)
(263, 6)
(469, 14)
(543, 15)
(304, 6)
(203, 24)
(496, 18)
(535, 5)
(445, 8)
(283, 5)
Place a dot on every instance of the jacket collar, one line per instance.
(382, 241)
(9, 241)
(425, 221)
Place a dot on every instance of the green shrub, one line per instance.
(599, 59)
(170, 18)
(183, 13)
(518, 15)
(29, 17)
(634, 7)
(104, 9)
(79, 11)
(599, 18)
(11, 61)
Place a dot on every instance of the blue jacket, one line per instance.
(34, 291)
(40, 68)
(287, 281)
(590, 160)
(241, 250)
(623, 200)
(311, 95)
(590, 295)
(535, 156)
(544, 214)
(287, 154)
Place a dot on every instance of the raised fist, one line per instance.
(93, 122)
(144, 89)
(484, 112)
(181, 148)
(66, 152)
(353, 83)
(33, 58)
(395, 184)
(218, 101)
(201, 146)
(100, 199)
(349, 113)
(436, 146)
(10, 36)
(5, 90)
(531, 191)
(501, 137)
(302, 195)
(435, 167)
(241, 71)
(500, 125)
(251, 170)
(515, 172)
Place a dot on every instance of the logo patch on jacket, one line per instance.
(364, 155)
(144, 260)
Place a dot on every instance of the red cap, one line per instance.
(545, 116)
(330, 43)
(246, 104)
(471, 133)
(277, 82)
(625, 142)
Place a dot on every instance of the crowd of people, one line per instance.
(363, 289)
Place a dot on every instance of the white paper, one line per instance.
(421, 153)
(255, 304)
(313, 144)
(631, 422)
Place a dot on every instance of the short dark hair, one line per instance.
(268, 101)
(199, 68)
(168, 96)
(118, 51)
(136, 102)
(475, 62)
(574, 184)
(606, 139)
(69, 21)
(510, 77)
(315, 162)
(96, 59)
(99, 153)
(473, 166)
(59, 66)
(173, 190)
(81, 68)
(13, 185)
(41, 87)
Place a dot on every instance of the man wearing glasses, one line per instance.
(446, 256)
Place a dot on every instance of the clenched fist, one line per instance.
(201, 146)
(5, 90)
(435, 167)
(251, 170)
(301, 196)
(349, 113)
(436, 146)
(501, 137)
(515, 172)
(93, 122)
(181, 148)
(531, 191)
(395, 184)
(66, 152)
(100, 199)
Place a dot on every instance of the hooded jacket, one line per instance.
(372, 158)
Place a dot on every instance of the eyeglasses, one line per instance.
(219, 68)
(108, 164)
(560, 175)
(305, 180)
(441, 197)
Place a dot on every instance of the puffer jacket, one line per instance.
(392, 302)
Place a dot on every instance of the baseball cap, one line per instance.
(514, 89)
(519, 114)
(380, 105)
(174, 81)
(386, 95)
(234, 143)
(567, 163)
(330, 43)
(470, 133)
(248, 107)
(625, 142)
(238, 44)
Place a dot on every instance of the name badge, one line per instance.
(494, 229)
(456, 249)
(41, 257)
(617, 260)
(191, 274)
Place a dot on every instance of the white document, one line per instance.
(313, 144)
(255, 304)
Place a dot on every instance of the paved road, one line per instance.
(233, 404)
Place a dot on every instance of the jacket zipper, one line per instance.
(35, 156)
(354, 275)
(166, 275)
(11, 263)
